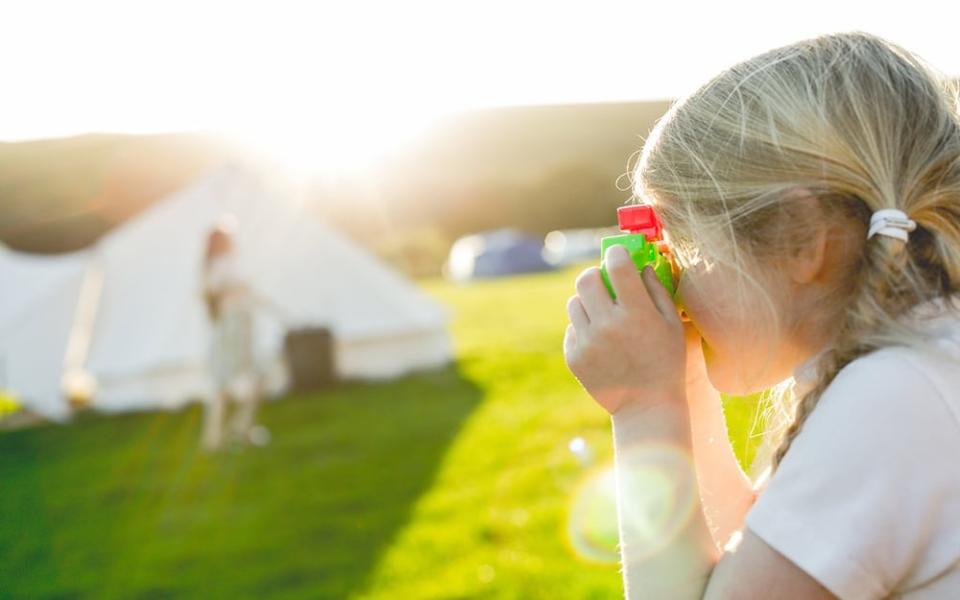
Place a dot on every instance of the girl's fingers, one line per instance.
(625, 280)
(578, 316)
(569, 340)
(593, 294)
(659, 295)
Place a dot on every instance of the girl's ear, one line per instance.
(806, 260)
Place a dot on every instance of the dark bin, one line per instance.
(309, 354)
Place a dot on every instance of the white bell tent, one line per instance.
(129, 311)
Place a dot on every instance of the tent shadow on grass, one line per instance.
(129, 506)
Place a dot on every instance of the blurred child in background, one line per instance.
(230, 305)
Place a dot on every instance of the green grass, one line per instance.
(455, 483)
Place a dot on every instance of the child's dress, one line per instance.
(867, 499)
(232, 363)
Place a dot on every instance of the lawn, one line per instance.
(453, 483)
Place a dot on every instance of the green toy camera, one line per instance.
(642, 228)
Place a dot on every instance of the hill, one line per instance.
(58, 195)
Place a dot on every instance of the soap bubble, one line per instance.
(259, 435)
(581, 450)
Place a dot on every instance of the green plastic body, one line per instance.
(643, 253)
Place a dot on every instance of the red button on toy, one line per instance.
(640, 218)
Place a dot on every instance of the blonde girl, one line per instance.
(811, 200)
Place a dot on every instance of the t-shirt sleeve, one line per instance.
(864, 491)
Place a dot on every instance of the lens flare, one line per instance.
(592, 523)
(655, 487)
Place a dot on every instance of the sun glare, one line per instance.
(334, 142)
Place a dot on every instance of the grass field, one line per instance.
(455, 483)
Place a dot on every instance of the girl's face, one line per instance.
(758, 326)
(741, 347)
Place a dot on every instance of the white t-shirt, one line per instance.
(867, 499)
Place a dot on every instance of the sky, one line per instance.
(337, 82)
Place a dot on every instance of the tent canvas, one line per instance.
(37, 308)
(148, 338)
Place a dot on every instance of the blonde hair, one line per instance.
(859, 123)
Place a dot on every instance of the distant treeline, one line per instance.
(413, 227)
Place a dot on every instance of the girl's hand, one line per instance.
(628, 350)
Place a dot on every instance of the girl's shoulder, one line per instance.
(907, 386)
(928, 370)
(858, 500)
(934, 370)
(931, 366)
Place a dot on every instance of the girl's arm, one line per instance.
(666, 547)
(726, 491)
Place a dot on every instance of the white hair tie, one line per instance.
(891, 222)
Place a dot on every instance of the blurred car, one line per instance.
(495, 253)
